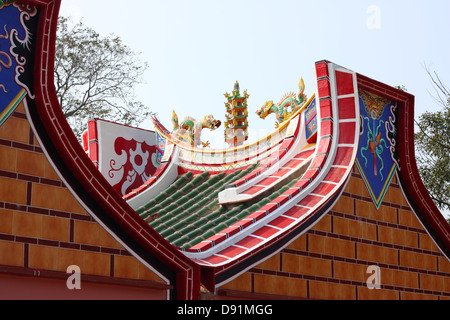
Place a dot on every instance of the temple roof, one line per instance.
(216, 216)
(255, 199)
(224, 208)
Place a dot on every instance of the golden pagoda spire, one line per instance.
(236, 117)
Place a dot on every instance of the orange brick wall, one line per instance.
(330, 260)
(42, 226)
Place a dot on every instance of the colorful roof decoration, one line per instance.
(13, 89)
(287, 106)
(127, 157)
(219, 207)
(236, 117)
(376, 159)
(201, 216)
(226, 209)
(221, 220)
(190, 130)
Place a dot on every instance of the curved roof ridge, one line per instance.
(324, 179)
(298, 206)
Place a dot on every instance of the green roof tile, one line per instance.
(180, 241)
(176, 199)
(180, 182)
(189, 212)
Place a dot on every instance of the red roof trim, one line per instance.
(51, 125)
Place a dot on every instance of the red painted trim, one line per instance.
(410, 179)
(88, 278)
(225, 263)
(92, 140)
(78, 163)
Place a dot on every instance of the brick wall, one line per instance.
(330, 261)
(44, 228)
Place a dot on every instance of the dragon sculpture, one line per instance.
(281, 110)
(190, 130)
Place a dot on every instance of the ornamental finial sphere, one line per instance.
(236, 86)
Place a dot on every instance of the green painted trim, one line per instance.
(376, 201)
(12, 106)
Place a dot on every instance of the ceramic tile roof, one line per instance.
(188, 212)
(221, 212)
(255, 237)
(299, 203)
(189, 208)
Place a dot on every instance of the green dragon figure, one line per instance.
(281, 110)
(190, 130)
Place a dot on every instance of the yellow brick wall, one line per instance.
(330, 260)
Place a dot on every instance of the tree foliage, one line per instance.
(95, 77)
(433, 145)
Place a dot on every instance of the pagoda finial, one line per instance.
(236, 87)
(236, 123)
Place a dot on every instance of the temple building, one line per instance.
(329, 205)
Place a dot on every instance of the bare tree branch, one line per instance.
(95, 76)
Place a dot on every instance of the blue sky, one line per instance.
(197, 49)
